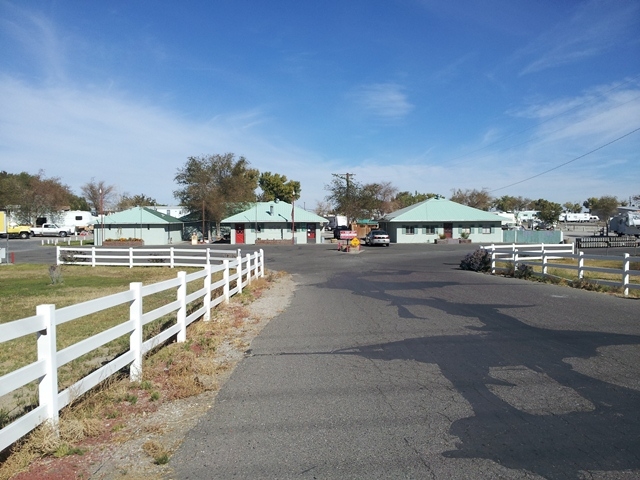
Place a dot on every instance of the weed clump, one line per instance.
(478, 261)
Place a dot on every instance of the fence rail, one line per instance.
(604, 242)
(148, 257)
(521, 254)
(236, 273)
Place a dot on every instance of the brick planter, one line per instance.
(123, 244)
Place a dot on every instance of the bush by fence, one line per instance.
(542, 256)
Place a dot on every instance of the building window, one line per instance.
(410, 230)
(466, 230)
(486, 229)
(430, 229)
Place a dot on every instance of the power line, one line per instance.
(569, 110)
(566, 163)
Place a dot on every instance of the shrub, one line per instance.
(478, 261)
(523, 271)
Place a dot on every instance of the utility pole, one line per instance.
(346, 176)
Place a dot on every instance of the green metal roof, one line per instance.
(273, 212)
(439, 210)
(138, 215)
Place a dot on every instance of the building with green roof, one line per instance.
(153, 227)
(435, 218)
(272, 222)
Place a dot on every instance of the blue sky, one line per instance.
(428, 95)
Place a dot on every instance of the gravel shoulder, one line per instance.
(126, 455)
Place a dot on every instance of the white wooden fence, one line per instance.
(148, 257)
(236, 273)
(543, 255)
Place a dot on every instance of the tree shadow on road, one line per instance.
(599, 432)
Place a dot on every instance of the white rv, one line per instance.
(626, 223)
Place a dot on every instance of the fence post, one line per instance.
(581, 266)
(93, 256)
(135, 338)
(207, 288)
(248, 269)
(46, 346)
(493, 259)
(239, 272)
(58, 262)
(130, 257)
(225, 276)
(261, 262)
(544, 264)
(171, 257)
(626, 263)
(208, 255)
(182, 310)
(256, 265)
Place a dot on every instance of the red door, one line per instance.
(311, 233)
(448, 230)
(239, 232)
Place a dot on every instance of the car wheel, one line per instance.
(63, 234)
(24, 235)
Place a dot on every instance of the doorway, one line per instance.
(448, 230)
(239, 232)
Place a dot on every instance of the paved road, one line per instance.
(395, 364)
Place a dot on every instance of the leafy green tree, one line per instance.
(547, 211)
(406, 199)
(31, 196)
(344, 196)
(572, 207)
(79, 203)
(507, 203)
(376, 199)
(217, 185)
(126, 202)
(604, 207)
(274, 186)
(480, 199)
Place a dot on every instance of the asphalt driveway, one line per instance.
(393, 363)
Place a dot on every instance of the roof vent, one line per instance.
(270, 209)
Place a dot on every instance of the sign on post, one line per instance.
(348, 234)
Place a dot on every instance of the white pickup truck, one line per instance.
(52, 230)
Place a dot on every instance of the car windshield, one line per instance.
(378, 232)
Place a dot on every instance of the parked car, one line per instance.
(377, 237)
(338, 229)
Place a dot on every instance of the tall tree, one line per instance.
(274, 186)
(547, 211)
(376, 199)
(344, 196)
(604, 207)
(99, 195)
(79, 203)
(126, 202)
(406, 199)
(480, 199)
(507, 203)
(572, 207)
(31, 196)
(217, 185)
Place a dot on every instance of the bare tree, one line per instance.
(99, 195)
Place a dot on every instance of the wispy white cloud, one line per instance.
(385, 100)
(596, 27)
(34, 38)
(79, 134)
